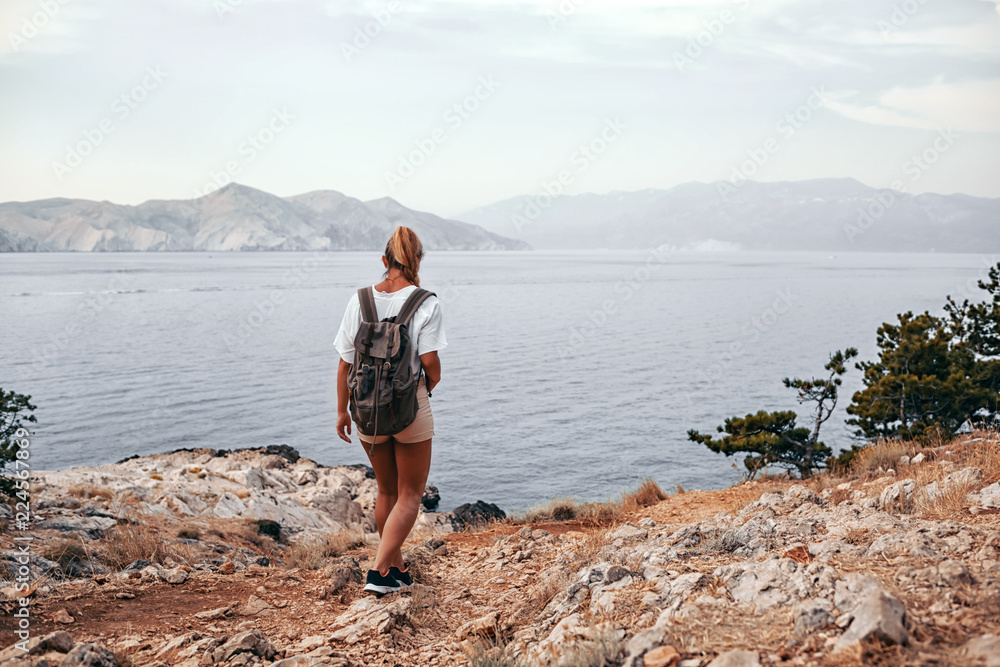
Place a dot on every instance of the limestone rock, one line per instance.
(812, 615)
(985, 649)
(175, 575)
(251, 641)
(255, 606)
(872, 612)
(898, 497)
(62, 616)
(485, 626)
(369, 616)
(89, 655)
(662, 656)
(736, 659)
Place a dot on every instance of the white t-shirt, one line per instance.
(426, 327)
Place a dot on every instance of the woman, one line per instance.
(401, 461)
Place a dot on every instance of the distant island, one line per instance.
(823, 215)
(233, 218)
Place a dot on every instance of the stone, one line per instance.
(811, 615)
(647, 523)
(227, 568)
(175, 575)
(919, 458)
(986, 649)
(59, 641)
(878, 614)
(898, 496)
(484, 626)
(478, 513)
(212, 614)
(250, 641)
(368, 616)
(255, 607)
(628, 532)
(736, 659)
(229, 506)
(301, 661)
(661, 656)
(987, 498)
(431, 498)
(62, 616)
(89, 655)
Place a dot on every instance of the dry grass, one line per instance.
(135, 538)
(606, 513)
(311, 553)
(65, 553)
(86, 491)
(743, 494)
(488, 653)
(875, 459)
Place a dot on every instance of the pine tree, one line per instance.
(934, 374)
(774, 438)
(15, 410)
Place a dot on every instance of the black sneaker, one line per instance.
(401, 576)
(379, 585)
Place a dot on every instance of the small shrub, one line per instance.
(269, 528)
(647, 493)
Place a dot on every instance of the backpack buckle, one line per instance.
(386, 365)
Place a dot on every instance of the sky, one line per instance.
(450, 105)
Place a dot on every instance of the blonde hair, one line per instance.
(404, 252)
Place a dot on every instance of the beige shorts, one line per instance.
(422, 427)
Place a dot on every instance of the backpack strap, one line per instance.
(417, 297)
(367, 301)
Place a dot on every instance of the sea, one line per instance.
(567, 373)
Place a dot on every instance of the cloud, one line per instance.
(972, 106)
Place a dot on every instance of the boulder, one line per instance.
(431, 498)
(89, 655)
(478, 513)
(871, 610)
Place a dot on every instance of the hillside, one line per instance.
(234, 217)
(828, 215)
(255, 557)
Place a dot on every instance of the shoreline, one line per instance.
(882, 566)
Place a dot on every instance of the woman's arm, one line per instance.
(432, 367)
(343, 418)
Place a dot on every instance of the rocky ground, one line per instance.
(256, 558)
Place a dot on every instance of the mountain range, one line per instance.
(828, 215)
(820, 215)
(235, 217)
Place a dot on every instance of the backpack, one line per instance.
(386, 371)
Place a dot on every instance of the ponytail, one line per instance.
(404, 252)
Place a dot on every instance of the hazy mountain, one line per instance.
(824, 215)
(235, 217)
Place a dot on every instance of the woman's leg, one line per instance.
(386, 475)
(413, 461)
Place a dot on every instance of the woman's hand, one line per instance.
(343, 396)
(344, 423)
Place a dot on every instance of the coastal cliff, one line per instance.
(256, 557)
